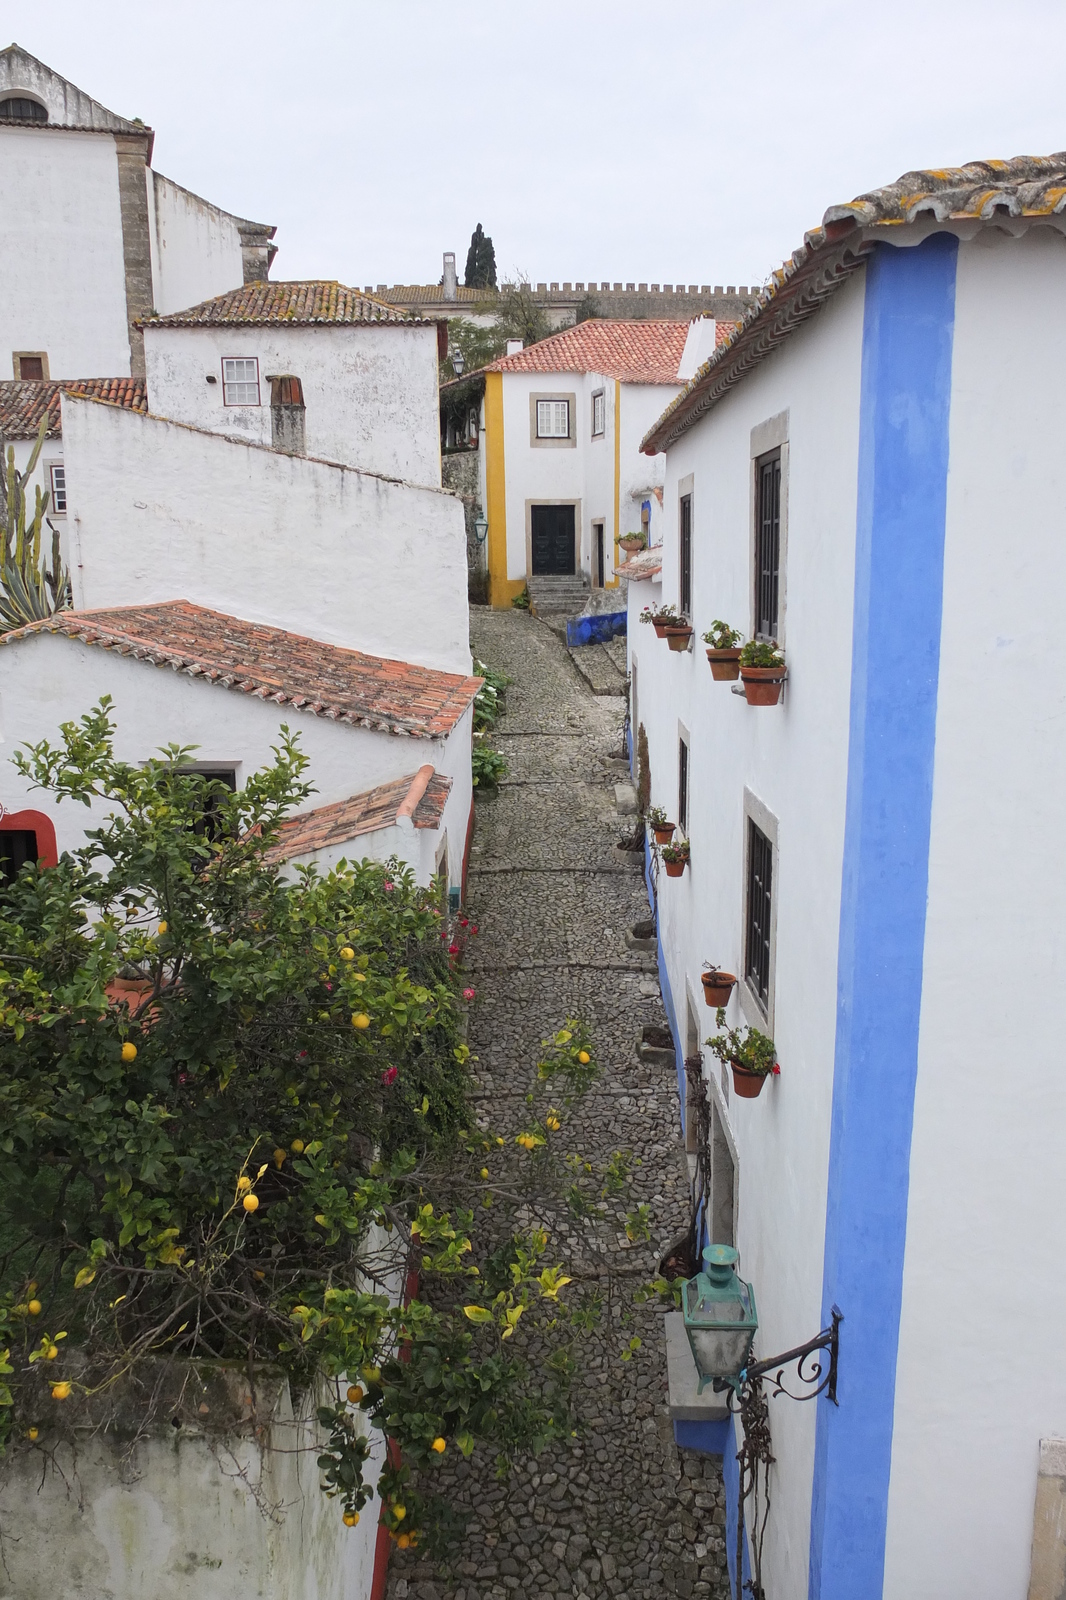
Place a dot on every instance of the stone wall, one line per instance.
(459, 473)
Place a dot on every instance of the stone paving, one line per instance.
(618, 1511)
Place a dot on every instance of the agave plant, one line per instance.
(29, 590)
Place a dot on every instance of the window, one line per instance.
(58, 475)
(240, 381)
(682, 784)
(599, 413)
(31, 366)
(17, 846)
(685, 558)
(210, 824)
(553, 419)
(17, 108)
(760, 900)
(767, 544)
(599, 555)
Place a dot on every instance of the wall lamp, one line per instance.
(481, 527)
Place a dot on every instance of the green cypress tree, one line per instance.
(480, 262)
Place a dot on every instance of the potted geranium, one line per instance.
(679, 633)
(717, 985)
(723, 651)
(675, 858)
(632, 542)
(750, 1055)
(659, 826)
(662, 618)
(762, 668)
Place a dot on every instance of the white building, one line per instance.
(871, 472)
(563, 476)
(94, 238)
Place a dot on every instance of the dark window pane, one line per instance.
(685, 595)
(682, 785)
(31, 368)
(760, 889)
(767, 547)
(16, 848)
(16, 109)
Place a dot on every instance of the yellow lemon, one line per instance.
(584, 1057)
(51, 1353)
(129, 1051)
(372, 1374)
(355, 1394)
(162, 927)
(360, 1019)
(251, 1202)
(553, 1123)
(60, 1391)
(399, 1512)
(347, 954)
(279, 1156)
(31, 1434)
(484, 1172)
(244, 1182)
(439, 1445)
(298, 1145)
(350, 1519)
(34, 1308)
(403, 1541)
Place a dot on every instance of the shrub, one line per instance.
(761, 653)
(722, 636)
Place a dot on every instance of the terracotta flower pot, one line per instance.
(747, 1085)
(762, 685)
(725, 664)
(678, 638)
(674, 869)
(660, 629)
(717, 987)
(664, 835)
(629, 545)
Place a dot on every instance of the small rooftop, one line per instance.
(23, 405)
(420, 798)
(286, 669)
(300, 303)
(634, 352)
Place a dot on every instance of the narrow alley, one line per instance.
(621, 1511)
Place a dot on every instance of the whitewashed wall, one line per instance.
(196, 249)
(371, 392)
(160, 511)
(49, 679)
(980, 1376)
(61, 262)
(794, 759)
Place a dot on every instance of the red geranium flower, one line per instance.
(390, 1075)
(777, 1070)
(453, 949)
(468, 994)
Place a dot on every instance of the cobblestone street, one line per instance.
(618, 1511)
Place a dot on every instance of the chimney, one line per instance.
(257, 251)
(513, 346)
(288, 415)
(451, 282)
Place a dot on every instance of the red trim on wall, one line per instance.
(34, 822)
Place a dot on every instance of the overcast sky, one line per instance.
(621, 140)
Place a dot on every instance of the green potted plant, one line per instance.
(750, 1055)
(762, 668)
(723, 651)
(675, 858)
(659, 826)
(678, 633)
(632, 542)
(717, 985)
(662, 618)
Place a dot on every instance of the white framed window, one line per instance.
(599, 413)
(553, 419)
(240, 380)
(57, 474)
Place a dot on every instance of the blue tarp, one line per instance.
(595, 629)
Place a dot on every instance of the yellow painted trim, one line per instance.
(612, 582)
(502, 589)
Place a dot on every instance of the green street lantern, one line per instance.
(481, 527)
(720, 1318)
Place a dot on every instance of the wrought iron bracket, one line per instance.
(812, 1374)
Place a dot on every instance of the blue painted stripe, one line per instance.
(709, 1438)
(899, 564)
(731, 1483)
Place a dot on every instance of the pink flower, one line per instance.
(183, 1077)
(468, 994)
(389, 887)
(464, 922)
(390, 1075)
(329, 988)
(473, 929)
(453, 949)
(301, 1055)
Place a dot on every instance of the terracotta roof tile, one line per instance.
(297, 304)
(422, 796)
(24, 404)
(648, 564)
(980, 191)
(635, 352)
(284, 668)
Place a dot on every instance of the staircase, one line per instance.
(558, 596)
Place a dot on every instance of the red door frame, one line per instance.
(34, 822)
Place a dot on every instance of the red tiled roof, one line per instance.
(296, 304)
(24, 404)
(422, 797)
(648, 564)
(635, 352)
(284, 668)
